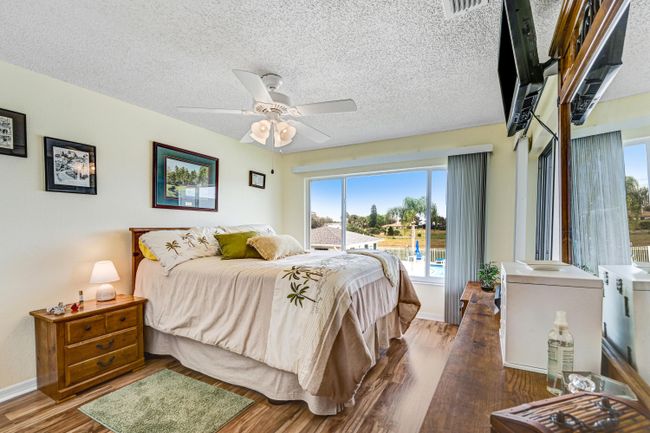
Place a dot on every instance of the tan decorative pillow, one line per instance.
(276, 247)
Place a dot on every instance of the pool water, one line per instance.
(437, 271)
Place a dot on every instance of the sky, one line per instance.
(384, 190)
(636, 163)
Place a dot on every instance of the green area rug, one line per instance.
(166, 402)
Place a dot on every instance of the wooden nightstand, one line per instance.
(78, 350)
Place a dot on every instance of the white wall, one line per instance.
(50, 240)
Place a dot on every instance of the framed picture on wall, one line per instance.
(256, 179)
(183, 179)
(70, 167)
(13, 133)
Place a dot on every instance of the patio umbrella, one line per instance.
(418, 254)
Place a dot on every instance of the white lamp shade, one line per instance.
(283, 134)
(260, 131)
(104, 272)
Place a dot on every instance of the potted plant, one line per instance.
(488, 275)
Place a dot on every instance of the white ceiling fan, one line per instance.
(280, 117)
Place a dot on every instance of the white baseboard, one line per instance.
(18, 389)
(430, 316)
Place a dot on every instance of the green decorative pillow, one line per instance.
(234, 245)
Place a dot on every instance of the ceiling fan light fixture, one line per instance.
(260, 131)
(283, 134)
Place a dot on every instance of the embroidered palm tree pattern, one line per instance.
(188, 238)
(173, 246)
(297, 295)
(203, 241)
(300, 278)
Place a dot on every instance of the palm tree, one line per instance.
(297, 294)
(410, 213)
(173, 246)
(203, 241)
(188, 238)
(636, 200)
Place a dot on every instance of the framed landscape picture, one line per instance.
(13, 133)
(70, 167)
(256, 179)
(183, 179)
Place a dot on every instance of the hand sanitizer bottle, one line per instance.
(560, 353)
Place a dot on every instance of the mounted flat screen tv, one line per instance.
(601, 74)
(520, 74)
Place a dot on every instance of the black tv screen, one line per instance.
(601, 73)
(520, 74)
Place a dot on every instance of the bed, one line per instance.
(247, 322)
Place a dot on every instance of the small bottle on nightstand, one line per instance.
(81, 298)
(560, 353)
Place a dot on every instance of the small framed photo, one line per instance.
(13, 133)
(70, 167)
(183, 179)
(256, 179)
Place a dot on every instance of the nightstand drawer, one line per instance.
(83, 329)
(101, 364)
(121, 319)
(100, 346)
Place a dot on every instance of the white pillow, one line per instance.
(276, 247)
(173, 247)
(260, 229)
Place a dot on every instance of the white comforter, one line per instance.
(230, 304)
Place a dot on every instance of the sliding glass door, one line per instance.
(402, 212)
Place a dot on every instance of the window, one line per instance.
(326, 197)
(402, 212)
(637, 200)
(545, 196)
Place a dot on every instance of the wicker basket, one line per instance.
(580, 413)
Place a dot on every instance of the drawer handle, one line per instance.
(87, 328)
(103, 364)
(122, 319)
(108, 346)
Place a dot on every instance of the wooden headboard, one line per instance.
(136, 255)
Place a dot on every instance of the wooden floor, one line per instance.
(394, 397)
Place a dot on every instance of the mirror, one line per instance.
(610, 206)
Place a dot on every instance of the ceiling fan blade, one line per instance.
(338, 106)
(247, 138)
(309, 131)
(213, 110)
(254, 85)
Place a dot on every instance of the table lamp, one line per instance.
(104, 273)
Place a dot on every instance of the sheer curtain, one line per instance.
(465, 226)
(599, 226)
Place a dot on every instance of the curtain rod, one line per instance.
(392, 158)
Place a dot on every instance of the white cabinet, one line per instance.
(626, 314)
(529, 300)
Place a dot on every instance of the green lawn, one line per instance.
(438, 238)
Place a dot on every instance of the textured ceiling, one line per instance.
(410, 70)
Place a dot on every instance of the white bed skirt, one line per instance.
(237, 370)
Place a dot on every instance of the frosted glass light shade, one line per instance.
(104, 272)
(283, 134)
(260, 131)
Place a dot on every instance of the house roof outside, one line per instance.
(329, 236)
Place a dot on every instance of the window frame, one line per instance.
(428, 279)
